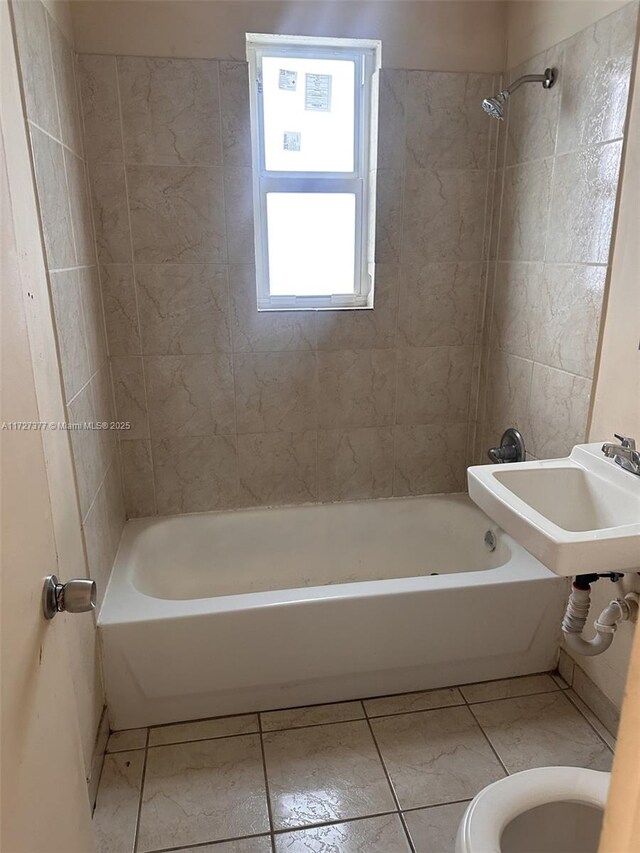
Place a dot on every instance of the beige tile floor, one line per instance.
(384, 775)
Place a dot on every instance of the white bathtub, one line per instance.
(221, 613)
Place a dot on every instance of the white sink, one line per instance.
(577, 515)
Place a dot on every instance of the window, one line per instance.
(313, 169)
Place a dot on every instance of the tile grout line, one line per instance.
(266, 785)
(136, 833)
(389, 782)
(199, 845)
(486, 737)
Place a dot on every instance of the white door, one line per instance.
(45, 806)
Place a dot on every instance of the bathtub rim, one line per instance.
(124, 603)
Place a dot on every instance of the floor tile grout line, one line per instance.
(200, 844)
(266, 785)
(405, 827)
(389, 781)
(486, 737)
(338, 822)
(201, 739)
(555, 689)
(366, 716)
(436, 805)
(136, 834)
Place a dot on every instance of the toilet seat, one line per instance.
(498, 804)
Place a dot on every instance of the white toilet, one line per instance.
(546, 810)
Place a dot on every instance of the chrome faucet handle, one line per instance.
(625, 441)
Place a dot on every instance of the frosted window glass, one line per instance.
(311, 243)
(309, 112)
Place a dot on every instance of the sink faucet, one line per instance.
(625, 453)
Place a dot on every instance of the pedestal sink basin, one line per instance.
(577, 515)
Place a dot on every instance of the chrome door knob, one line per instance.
(74, 596)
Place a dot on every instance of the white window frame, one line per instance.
(366, 53)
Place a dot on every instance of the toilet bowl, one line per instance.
(545, 810)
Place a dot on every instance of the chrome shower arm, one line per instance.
(547, 79)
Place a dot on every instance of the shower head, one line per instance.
(495, 106)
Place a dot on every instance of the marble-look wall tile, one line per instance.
(67, 309)
(356, 388)
(388, 216)
(190, 395)
(570, 304)
(93, 317)
(100, 109)
(375, 328)
(557, 210)
(128, 387)
(558, 412)
(516, 307)
(137, 478)
(160, 197)
(110, 213)
(80, 206)
(597, 701)
(355, 464)
(236, 131)
(53, 198)
(443, 217)
(189, 212)
(195, 473)
(494, 210)
(278, 467)
(85, 445)
(428, 459)
(445, 128)
(102, 389)
(509, 381)
(585, 187)
(66, 89)
(170, 111)
(184, 308)
(238, 203)
(120, 309)
(533, 115)
(392, 119)
(115, 505)
(34, 55)
(596, 74)
(265, 331)
(98, 543)
(525, 211)
(433, 385)
(438, 303)
(276, 391)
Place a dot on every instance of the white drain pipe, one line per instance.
(575, 618)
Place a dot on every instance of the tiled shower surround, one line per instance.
(491, 262)
(55, 130)
(555, 193)
(230, 407)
